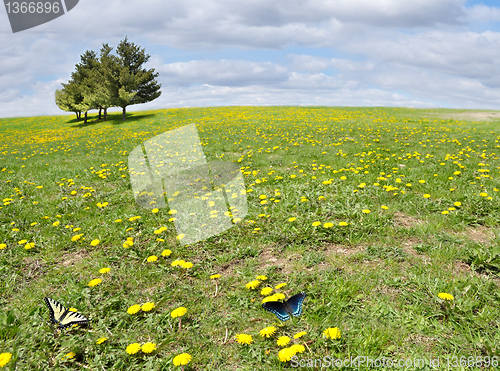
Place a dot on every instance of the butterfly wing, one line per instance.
(62, 316)
(294, 304)
(277, 308)
(73, 318)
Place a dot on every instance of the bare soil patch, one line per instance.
(405, 221)
(467, 115)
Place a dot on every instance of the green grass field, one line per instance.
(372, 212)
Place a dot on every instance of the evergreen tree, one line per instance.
(69, 98)
(104, 81)
(136, 84)
(109, 81)
(83, 76)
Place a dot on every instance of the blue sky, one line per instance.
(413, 53)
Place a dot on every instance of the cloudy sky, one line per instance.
(413, 53)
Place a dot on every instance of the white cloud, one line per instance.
(352, 52)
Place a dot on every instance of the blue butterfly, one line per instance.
(293, 306)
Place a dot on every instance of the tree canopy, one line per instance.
(109, 80)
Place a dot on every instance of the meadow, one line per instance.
(387, 218)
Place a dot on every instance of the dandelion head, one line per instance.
(283, 340)
(146, 307)
(134, 309)
(133, 348)
(252, 284)
(445, 296)
(268, 331)
(148, 347)
(244, 338)
(182, 359)
(101, 340)
(94, 282)
(179, 312)
(332, 333)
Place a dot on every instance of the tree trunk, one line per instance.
(85, 119)
(105, 113)
(124, 115)
(100, 108)
(76, 113)
(79, 115)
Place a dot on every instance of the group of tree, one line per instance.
(109, 80)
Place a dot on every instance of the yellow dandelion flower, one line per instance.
(177, 262)
(384, 207)
(252, 284)
(29, 245)
(280, 285)
(56, 223)
(3, 246)
(179, 312)
(95, 242)
(133, 348)
(22, 242)
(155, 210)
(244, 339)
(94, 282)
(69, 355)
(421, 181)
(457, 204)
(181, 236)
(148, 347)
(299, 334)
(445, 296)
(146, 307)
(366, 211)
(152, 258)
(343, 224)
(270, 298)
(182, 359)
(315, 224)
(186, 265)
(118, 221)
(286, 354)
(266, 291)
(427, 195)
(283, 340)
(332, 333)
(101, 340)
(5, 358)
(166, 253)
(292, 219)
(328, 225)
(134, 309)
(298, 348)
(268, 331)
(215, 276)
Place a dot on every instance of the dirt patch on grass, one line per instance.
(267, 259)
(408, 246)
(405, 221)
(33, 268)
(482, 235)
(343, 250)
(465, 115)
(73, 258)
